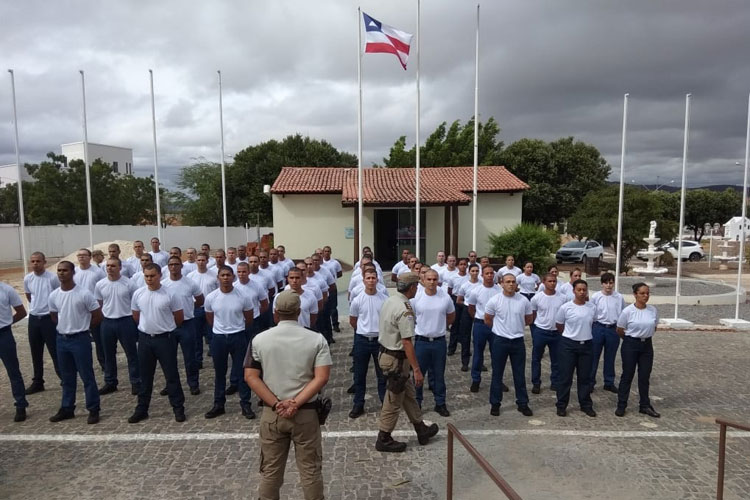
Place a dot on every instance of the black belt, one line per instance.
(39, 316)
(369, 339)
(395, 354)
(85, 332)
(577, 341)
(422, 338)
(640, 339)
(310, 405)
(152, 335)
(605, 325)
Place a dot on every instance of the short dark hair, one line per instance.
(70, 265)
(607, 277)
(152, 267)
(638, 286)
(225, 268)
(579, 282)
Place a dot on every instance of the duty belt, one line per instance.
(395, 354)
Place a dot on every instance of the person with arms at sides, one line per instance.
(311, 286)
(113, 252)
(401, 266)
(229, 311)
(158, 255)
(364, 317)
(190, 265)
(567, 288)
(86, 275)
(157, 314)
(472, 256)
(528, 281)
(114, 294)
(273, 263)
(454, 284)
(448, 273)
(464, 319)
(434, 313)
(173, 252)
(413, 261)
(277, 275)
(636, 326)
(379, 287)
(134, 261)
(75, 311)
(207, 281)
(509, 267)
(476, 300)
(574, 320)
(554, 272)
(11, 312)
(220, 258)
(308, 303)
(137, 278)
(609, 304)
(265, 279)
(287, 367)
(206, 248)
(324, 315)
(232, 259)
(507, 314)
(288, 263)
(241, 253)
(97, 256)
(355, 281)
(544, 334)
(37, 285)
(334, 267)
(190, 295)
(440, 265)
(259, 295)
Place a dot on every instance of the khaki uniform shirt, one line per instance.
(396, 322)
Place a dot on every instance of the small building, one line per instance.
(9, 175)
(121, 159)
(733, 228)
(315, 206)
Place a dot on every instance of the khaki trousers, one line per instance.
(393, 403)
(276, 434)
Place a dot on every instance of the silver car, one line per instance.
(579, 251)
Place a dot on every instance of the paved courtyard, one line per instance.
(697, 377)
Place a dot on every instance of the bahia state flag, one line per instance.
(382, 38)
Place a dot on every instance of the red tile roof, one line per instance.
(396, 186)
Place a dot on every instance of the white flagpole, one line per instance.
(156, 157)
(744, 213)
(618, 251)
(86, 162)
(21, 222)
(223, 175)
(476, 142)
(359, 134)
(682, 207)
(418, 224)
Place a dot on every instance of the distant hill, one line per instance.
(672, 189)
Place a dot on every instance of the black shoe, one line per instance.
(351, 353)
(505, 388)
(451, 352)
(429, 388)
(610, 388)
(562, 412)
(650, 412)
(495, 410)
(591, 391)
(200, 365)
(179, 414)
(357, 411)
(163, 392)
(62, 414)
(20, 415)
(93, 417)
(589, 411)
(553, 388)
(536, 389)
(107, 389)
(525, 411)
(247, 411)
(336, 329)
(333, 341)
(232, 389)
(425, 432)
(442, 410)
(464, 368)
(34, 388)
(350, 390)
(484, 368)
(137, 417)
(387, 444)
(195, 391)
(620, 412)
(215, 412)
(135, 389)
(474, 387)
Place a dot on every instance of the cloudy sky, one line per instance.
(548, 69)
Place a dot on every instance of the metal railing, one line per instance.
(483, 463)
(723, 424)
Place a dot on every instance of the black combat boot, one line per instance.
(387, 444)
(425, 432)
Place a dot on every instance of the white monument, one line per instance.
(650, 272)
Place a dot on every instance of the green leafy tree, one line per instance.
(202, 206)
(705, 206)
(526, 242)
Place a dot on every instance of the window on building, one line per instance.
(115, 167)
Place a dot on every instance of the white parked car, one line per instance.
(579, 251)
(691, 250)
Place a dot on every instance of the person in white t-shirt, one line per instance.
(11, 312)
(257, 292)
(476, 300)
(451, 286)
(206, 279)
(334, 266)
(609, 304)
(189, 265)
(508, 313)
(566, 289)
(86, 275)
(446, 279)
(206, 249)
(114, 294)
(134, 261)
(636, 326)
(288, 263)
(440, 266)
(528, 281)
(324, 316)
(509, 267)
(275, 272)
(232, 259)
(401, 266)
(544, 334)
(241, 253)
(75, 311)
(463, 318)
(113, 252)
(574, 320)
(308, 314)
(137, 277)
(157, 254)
(265, 277)
(173, 252)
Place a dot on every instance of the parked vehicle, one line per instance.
(579, 251)
(691, 250)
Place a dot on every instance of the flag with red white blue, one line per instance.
(381, 38)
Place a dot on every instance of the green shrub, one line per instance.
(526, 242)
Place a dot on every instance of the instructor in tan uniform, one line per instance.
(396, 357)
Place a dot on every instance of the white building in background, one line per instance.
(9, 175)
(733, 228)
(121, 159)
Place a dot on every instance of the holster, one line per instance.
(396, 380)
(323, 409)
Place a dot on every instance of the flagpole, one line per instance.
(682, 207)
(618, 251)
(223, 175)
(476, 143)
(359, 134)
(744, 213)
(156, 158)
(418, 224)
(86, 162)
(21, 222)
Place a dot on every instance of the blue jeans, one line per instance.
(9, 355)
(74, 357)
(482, 335)
(575, 356)
(250, 333)
(607, 338)
(96, 336)
(161, 348)
(42, 332)
(124, 330)
(431, 358)
(333, 298)
(223, 346)
(185, 336)
(541, 339)
(502, 349)
(201, 329)
(364, 349)
(635, 353)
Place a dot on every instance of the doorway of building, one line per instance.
(395, 229)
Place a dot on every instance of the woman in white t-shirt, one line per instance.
(528, 281)
(636, 326)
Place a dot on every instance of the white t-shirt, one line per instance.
(39, 287)
(527, 284)
(358, 272)
(466, 286)
(515, 271)
(278, 270)
(125, 269)
(366, 308)
(87, 278)
(608, 307)
(456, 281)
(308, 306)
(185, 290)
(509, 314)
(138, 280)
(257, 294)
(207, 281)
(287, 263)
(638, 323)
(566, 289)
(161, 257)
(546, 307)
(430, 312)
(156, 308)
(379, 289)
(324, 274)
(116, 297)
(228, 309)
(188, 267)
(263, 275)
(314, 281)
(9, 299)
(478, 297)
(73, 308)
(448, 275)
(577, 320)
(276, 273)
(134, 263)
(333, 266)
(399, 268)
(165, 272)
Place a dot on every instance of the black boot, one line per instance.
(387, 444)
(425, 432)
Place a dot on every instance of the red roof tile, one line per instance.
(310, 180)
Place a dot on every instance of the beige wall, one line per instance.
(496, 212)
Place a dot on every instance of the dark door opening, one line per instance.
(395, 229)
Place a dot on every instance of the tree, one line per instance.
(203, 181)
(526, 242)
(705, 206)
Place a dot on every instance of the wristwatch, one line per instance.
(273, 408)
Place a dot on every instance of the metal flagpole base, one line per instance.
(677, 323)
(735, 324)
